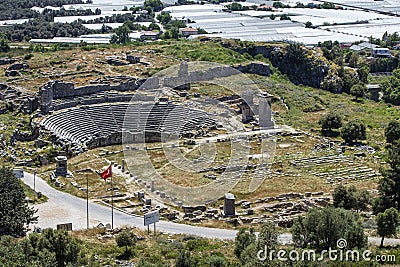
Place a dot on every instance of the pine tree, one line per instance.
(15, 215)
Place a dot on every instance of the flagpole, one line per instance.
(87, 201)
(112, 202)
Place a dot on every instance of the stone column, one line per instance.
(61, 166)
(265, 111)
(229, 205)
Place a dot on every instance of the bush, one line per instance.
(28, 56)
(321, 228)
(353, 131)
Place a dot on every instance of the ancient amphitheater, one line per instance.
(100, 125)
(100, 114)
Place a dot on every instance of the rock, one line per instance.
(6, 61)
(12, 73)
(133, 59)
(170, 216)
(191, 209)
(116, 62)
(246, 205)
(17, 66)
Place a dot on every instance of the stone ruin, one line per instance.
(61, 166)
(229, 205)
(184, 78)
(16, 99)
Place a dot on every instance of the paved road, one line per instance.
(65, 208)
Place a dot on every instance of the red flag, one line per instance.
(107, 173)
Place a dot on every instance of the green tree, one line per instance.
(65, 248)
(330, 121)
(358, 90)
(308, 24)
(243, 239)
(4, 46)
(278, 4)
(363, 199)
(389, 184)
(216, 261)
(132, 26)
(268, 236)
(237, 7)
(15, 215)
(48, 249)
(387, 223)
(363, 74)
(349, 78)
(344, 197)
(155, 5)
(352, 58)
(337, 54)
(392, 131)
(267, 241)
(321, 228)
(122, 34)
(174, 32)
(126, 239)
(391, 88)
(382, 203)
(353, 131)
(164, 17)
(154, 26)
(114, 39)
(350, 198)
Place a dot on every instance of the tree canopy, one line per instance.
(392, 131)
(353, 131)
(389, 185)
(50, 248)
(126, 239)
(321, 228)
(350, 198)
(330, 121)
(358, 90)
(387, 223)
(15, 215)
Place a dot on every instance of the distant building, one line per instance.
(345, 45)
(185, 32)
(149, 35)
(265, 8)
(374, 90)
(363, 46)
(380, 52)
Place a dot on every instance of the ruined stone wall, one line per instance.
(259, 68)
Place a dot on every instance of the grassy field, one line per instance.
(31, 195)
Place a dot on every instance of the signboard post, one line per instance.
(151, 218)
